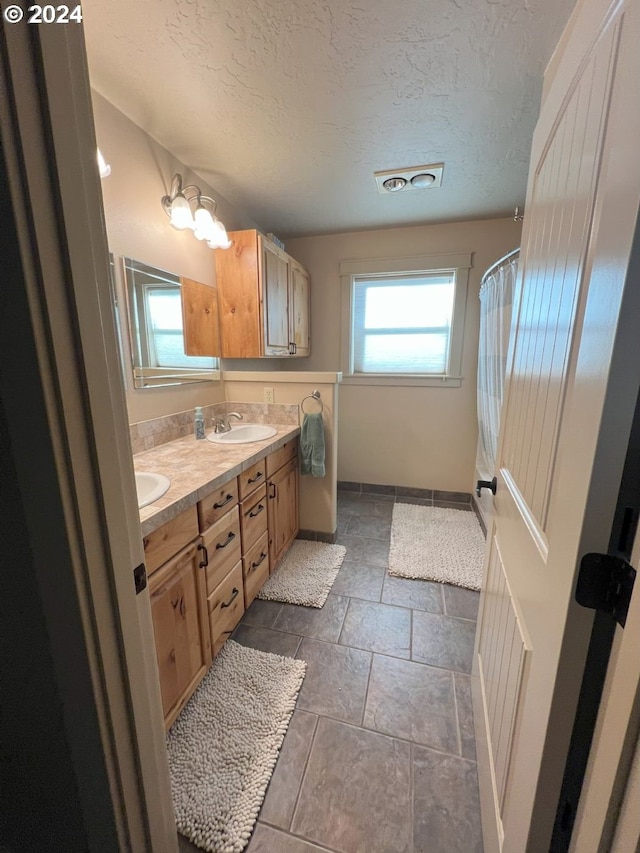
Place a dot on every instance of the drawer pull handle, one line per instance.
(233, 596)
(229, 540)
(263, 557)
(259, 476)
(205, 562)
(145, 542)
(220, 504)
(273, 491)
(253, 514)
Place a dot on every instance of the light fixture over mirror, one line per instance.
(187, 207)
(103, 166)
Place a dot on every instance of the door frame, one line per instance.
(100, 632)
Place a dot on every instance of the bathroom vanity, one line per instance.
(210, 544)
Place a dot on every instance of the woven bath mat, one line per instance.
(224, 745)
(306, 574)
(436, 544)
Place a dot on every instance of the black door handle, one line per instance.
(487, 484)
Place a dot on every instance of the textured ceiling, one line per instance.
(288, 107)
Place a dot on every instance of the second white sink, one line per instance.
(150, 487)
(243, 434)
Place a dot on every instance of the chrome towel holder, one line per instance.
(314, 395)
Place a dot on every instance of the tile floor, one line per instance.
(379, 756)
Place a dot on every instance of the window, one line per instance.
(164, 332)
(403, 324)
(403, 320)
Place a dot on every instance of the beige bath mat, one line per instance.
(436, 544)
(224, 745)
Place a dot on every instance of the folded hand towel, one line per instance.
(312, 445)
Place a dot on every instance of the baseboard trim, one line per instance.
(399, 492)
(318, 536)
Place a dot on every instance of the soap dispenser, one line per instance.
(199, 422)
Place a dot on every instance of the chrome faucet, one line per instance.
(222, 424)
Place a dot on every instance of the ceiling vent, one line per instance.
(413, 178)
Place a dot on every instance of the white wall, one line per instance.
(420, 437)
(317, 494)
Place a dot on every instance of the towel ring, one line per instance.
(315, 395)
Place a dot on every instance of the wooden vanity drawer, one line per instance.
(281, 456)
(226, 606)
(250, 479)
(253, 518)
(255, 568)
(222, 541)
(215, 505)
(169, 538)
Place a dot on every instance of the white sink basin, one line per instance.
(243, 434)
(150, 487)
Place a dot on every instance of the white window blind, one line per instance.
(402, 324)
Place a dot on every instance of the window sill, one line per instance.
(400, 379)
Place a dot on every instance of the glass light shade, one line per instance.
(425, 179)
(204, 224)
(105, 170)
(181, 217)
(219, 238)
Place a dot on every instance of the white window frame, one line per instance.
(459, 263)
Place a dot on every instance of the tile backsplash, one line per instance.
(151, 433)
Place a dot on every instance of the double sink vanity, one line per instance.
(211, 540)
(216, 515)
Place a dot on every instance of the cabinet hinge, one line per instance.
(605, 583)
(140, 578)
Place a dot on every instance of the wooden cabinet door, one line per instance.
(299, 313)
(237, 278)
(180, 624)
(200, 318)
(275, 297)
(282, 506)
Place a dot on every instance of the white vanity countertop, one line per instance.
(197, 468)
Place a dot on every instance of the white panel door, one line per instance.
(567, 412)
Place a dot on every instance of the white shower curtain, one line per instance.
(496, 296)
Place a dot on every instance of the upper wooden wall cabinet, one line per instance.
(263, 299)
